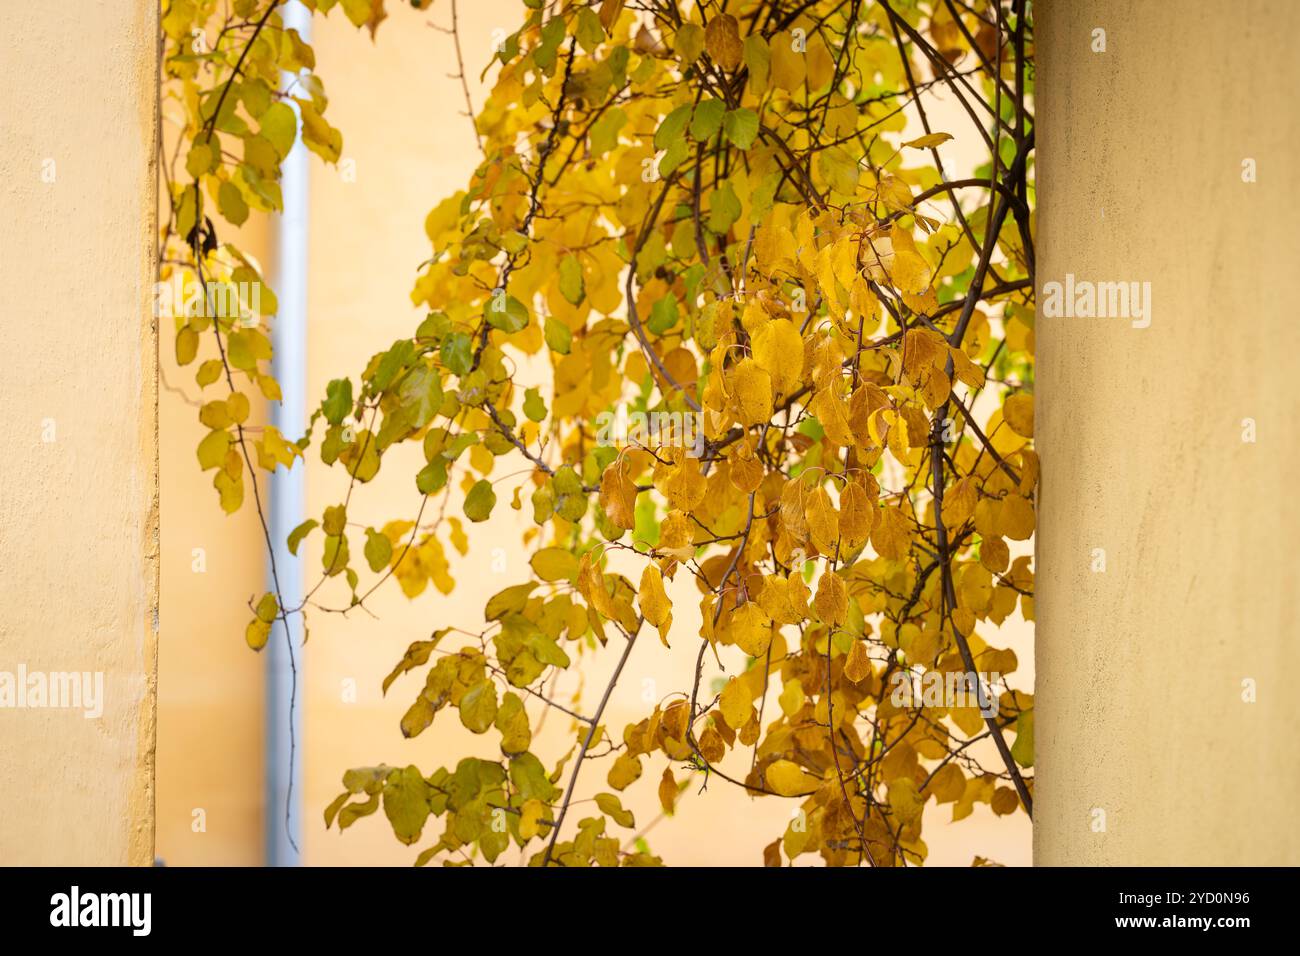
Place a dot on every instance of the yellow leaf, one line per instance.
(530, 816)
(187, 345)
(779, 351)
(948, 785)
(959, 502)
(834, 417)
(1018, 411)
(832, 600)
(750, 630)
(792, 698)
(1016, 518)
(788, 64)
(668, 791)
(823, 521)
(788, 779)
(904, 800)
(857, 665)
(655, 606)
(752, 388)
(746, 471)
(929, 140)
(257, 633)
(994, 554)
(891, 535)
(625, 771)
(722, 41)
(735, 704)
(1004, 801)
(609, 11)
(555, 564)
(618, 494)
(857, 515)
(785, 600)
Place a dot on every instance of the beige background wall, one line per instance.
(78, 505)
(1140, 667)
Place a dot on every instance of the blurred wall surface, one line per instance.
(1168, 633)
(79, 471)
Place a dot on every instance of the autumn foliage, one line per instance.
(737, 212)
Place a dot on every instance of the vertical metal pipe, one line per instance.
(284, 783)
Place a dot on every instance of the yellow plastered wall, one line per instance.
(1150, 751)
(78, 510)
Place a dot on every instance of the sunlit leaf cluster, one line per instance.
(737, 213)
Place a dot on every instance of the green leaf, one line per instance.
(589, 33)
(534, 407)
(268, 608)
(300, 532)
(231, 203)
(432, 477)
(675, 155)
(559, 337)
(758, 60)
(199, 160)
(554, 564)
(338, 400)
(480, 501)
(840, 168)
(457, 353)
(509, 315)
(378, 550)
(1023, 749)
(724, 210)
(336, 519)
(529, 777)
(417, 654)
(280, 127)
(546, 650)
(612, 807)
(406, 803)
(707, 119)
(663, 315)
(741, 127)
(335, 557)
(394, 360)
(604, 132)
(672, 127)
(478, 706)
(212, 450)
(571, 281)
(421, 395)
(688, 43)
(510, 601)
(570, 498)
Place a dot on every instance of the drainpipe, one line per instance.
(283, 819)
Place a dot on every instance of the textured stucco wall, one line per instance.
(78, 475)
(1141, 666)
